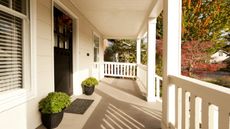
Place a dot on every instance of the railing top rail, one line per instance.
(210, 93)
(157, 76)
(120, 63)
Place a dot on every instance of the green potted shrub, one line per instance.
(88, 85)
(52, 108)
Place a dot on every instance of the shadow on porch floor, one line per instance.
(118, 104)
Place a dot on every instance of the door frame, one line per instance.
(75, 45)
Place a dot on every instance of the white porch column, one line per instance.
(171, 61)
(138, 51)
(151, 60)
(103, 47)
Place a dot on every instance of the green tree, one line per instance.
(121, 50)
(202, 20)
(205, 20)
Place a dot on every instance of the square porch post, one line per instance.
(103, 47)
(171, 62)
(151, 97)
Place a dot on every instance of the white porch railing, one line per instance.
(199, 103)
(142, 78)
(132, 70)
(120, 69)
(142, 75)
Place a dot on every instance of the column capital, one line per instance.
(152, 20)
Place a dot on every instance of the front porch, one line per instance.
(118, 104)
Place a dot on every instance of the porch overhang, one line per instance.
(119, 18)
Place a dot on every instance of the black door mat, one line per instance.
(79, 106)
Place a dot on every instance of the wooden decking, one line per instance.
(118, 104)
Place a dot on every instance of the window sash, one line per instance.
(96, 40)
(12, 40)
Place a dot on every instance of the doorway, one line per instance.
(63, 39)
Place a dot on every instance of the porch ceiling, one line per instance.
(117, 18)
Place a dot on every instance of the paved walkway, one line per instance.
(118, 104)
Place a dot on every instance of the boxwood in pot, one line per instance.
(88, 85)
(52, 108)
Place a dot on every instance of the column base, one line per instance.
(151, 99)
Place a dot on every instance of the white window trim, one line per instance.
(76, 45)
(12, 98)
(98, 54)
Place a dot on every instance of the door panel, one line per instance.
(63, 52)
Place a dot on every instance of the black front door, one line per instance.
(63, 52)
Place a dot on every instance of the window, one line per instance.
(96, 48)
(14, 22)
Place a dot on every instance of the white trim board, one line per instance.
(76, 58)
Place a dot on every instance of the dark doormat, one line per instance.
(79, 106)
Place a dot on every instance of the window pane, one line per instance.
(19, 5)
(5, 2)
(10, 51)
(96, 41)
(95, 54)
(96, 48)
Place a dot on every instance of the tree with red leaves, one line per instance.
(196, 58)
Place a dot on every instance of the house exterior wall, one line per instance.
(219, 56)
(26, 115)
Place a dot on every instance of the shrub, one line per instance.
(55, 102)
(89, 82)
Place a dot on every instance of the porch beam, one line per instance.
(151, 60)
(171, 60)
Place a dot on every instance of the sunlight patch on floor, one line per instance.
(148, 112)
(115, 118)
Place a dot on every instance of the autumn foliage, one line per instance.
(195, 58)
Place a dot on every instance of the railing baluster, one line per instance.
(131, 71)
(118, 69)
(185, 110)
(197, 113)
(178, 108)
(213, 117)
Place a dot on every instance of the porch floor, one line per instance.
(118, 104)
